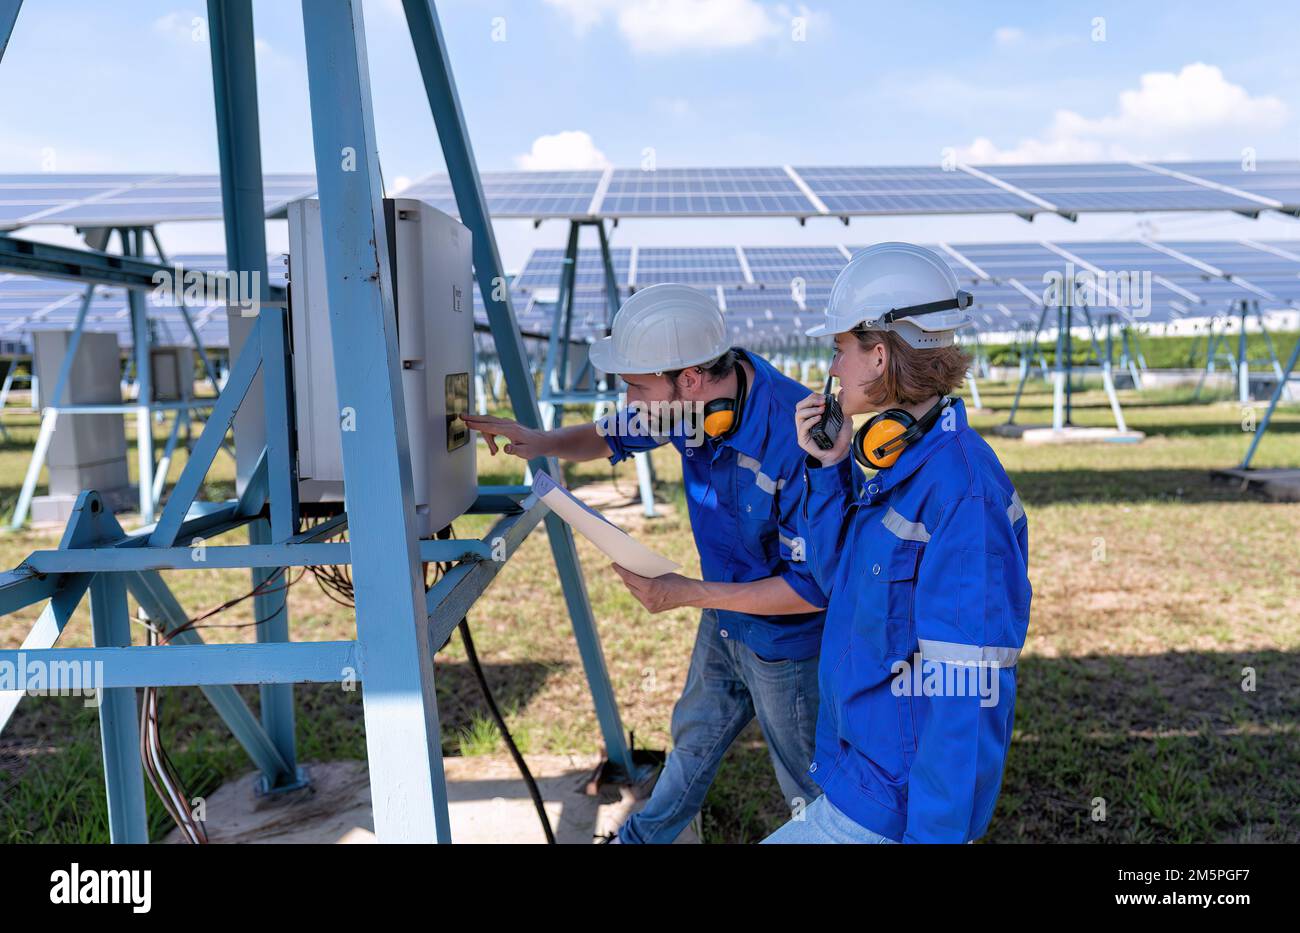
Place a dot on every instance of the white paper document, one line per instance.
(616, 543)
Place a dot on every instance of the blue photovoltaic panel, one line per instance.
(1211, 294)
(1247, 266)
(1114, 186)
(543, 268)
(143, 199)
(699, 265)
(517, 194)
(780, 265)
(1234, 257)
(908, 190)
(682, 192)
(1277, 180)
(30, 303)
(135, 200)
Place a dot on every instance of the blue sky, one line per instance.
(554, 83)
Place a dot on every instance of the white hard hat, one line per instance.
(900, 287)
(661, 328)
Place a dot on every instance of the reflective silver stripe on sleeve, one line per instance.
(1016, 510)
(908, 531)
(950, 652)
(761, 479)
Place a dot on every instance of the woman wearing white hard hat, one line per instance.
(924, 560)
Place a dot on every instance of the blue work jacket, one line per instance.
(743, 494)
(925, 566)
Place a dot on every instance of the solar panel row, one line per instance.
(1136, 279)
(785, 191)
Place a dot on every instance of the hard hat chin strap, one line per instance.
(964, 299)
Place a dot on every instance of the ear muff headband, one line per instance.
(879, 443)
(722, 415)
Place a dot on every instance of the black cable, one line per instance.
(472, 656)
(533, 792)
(336, 583)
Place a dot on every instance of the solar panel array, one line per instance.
(29, 303)
(517, 194)
(771, 291)
(85, 200)
(545, 266)
(703, 192)
(757, 191)
(910, 190)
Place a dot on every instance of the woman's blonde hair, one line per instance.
(911, 375)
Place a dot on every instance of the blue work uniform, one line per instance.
(742, 493)
(925, 565)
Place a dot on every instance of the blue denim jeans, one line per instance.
(823, 824)
(726, 687)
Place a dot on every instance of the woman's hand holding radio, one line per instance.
(808, 415)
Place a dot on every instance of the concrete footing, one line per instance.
(488, 803)
(1046, 434)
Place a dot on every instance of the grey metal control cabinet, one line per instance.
(87, 451)
(433, 284)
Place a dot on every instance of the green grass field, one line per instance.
(1154, 591)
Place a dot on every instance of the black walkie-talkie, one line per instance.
(827, 429)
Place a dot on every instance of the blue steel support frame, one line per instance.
(119, 723)
(1262, 429)
(234, 80)
(444, 101)
(394, 661)
(8, 15)
(234, 85)
(401, 710)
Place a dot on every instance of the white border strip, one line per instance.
(744, 265)
(598, 198)
(1007, 186)
(1036, 299)
(1183, 257)
(1083, 263)
(1178, 289)
(33, 218)
(807, 192)
(1272, 250)
(1206, 183)
(1214, 270)
(965, 262)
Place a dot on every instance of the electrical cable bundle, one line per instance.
(158, 766)
(161, 772)
(335, 582)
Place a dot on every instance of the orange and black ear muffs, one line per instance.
(879, 442)
(722, 415)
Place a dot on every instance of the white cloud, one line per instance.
(1167, 116)
(584, 13)
(665, 26)
(570, 149)
(1007, 36)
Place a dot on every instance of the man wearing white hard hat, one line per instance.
(756, 649)
(917, 534)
